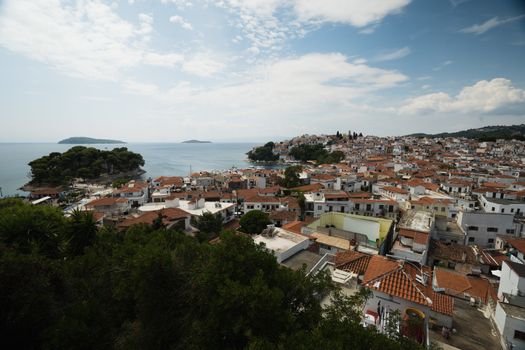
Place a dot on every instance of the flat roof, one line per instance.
(417, 220)
(304, 257)
(209, 207)
(331, 241)
(514, 311)
(503, 201)
(281, 242)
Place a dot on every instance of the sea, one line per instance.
(175, 159)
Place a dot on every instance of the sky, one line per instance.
(257, 70)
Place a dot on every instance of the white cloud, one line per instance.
(181, 4)
(134, 87)
(394, 54)
(202, 65)
(85, 39)
(181, 21)
(442, 65)
(482, 97)
(355, 12)
(494, 22)
(258, 22)
(311, 84)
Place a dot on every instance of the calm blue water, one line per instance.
(160, 158)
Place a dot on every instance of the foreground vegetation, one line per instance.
(66, 285)
(82, 162)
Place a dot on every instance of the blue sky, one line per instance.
(234, 70)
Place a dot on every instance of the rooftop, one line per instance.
(281, 242)
(417, 220)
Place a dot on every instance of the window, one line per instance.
(390, 208)
(471, 239)
(510, 231)
(502, 210)
(519, 335)
(490, 241)
(472, 228)
(512, 210)
(493, 208)
(357, 206)
(368, 207)
(319, 207)
(442, 208)
(492, 229)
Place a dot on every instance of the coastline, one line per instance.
(103, 179)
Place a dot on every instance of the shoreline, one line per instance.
(101, 180)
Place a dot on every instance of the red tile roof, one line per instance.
(106, 201)
(398, 278)
(352, 261)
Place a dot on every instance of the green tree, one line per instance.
(254, 221)
(263, 153)
(79, 161)
(209, 225)
(81, 231)
(291, 176)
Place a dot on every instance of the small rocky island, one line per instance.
(195, 141)
(88, 163)
(81, 140)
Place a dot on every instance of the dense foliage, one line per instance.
(263, 153)
(148, 288)
(82, 162)
(254, 221)
(291, 176)
(316, 153)
(209, 225)
(487, 133)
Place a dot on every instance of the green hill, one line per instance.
(486, 133)
(80, 140)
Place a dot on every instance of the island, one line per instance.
(81, 140)
(87, 163)
(195, 141)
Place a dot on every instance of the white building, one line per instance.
(510, 310)
(318, 203)
(194, 207)
(481, 228)
(505, 206)
(282, 243)
(136, 192)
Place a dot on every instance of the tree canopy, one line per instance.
(147, 288)
(316, 153)
(263, 153)
(82, 162)
(254, 221)
(291, 176)
(209, 225)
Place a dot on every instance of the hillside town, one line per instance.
(432, 227)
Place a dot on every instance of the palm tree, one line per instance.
(81, 231)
